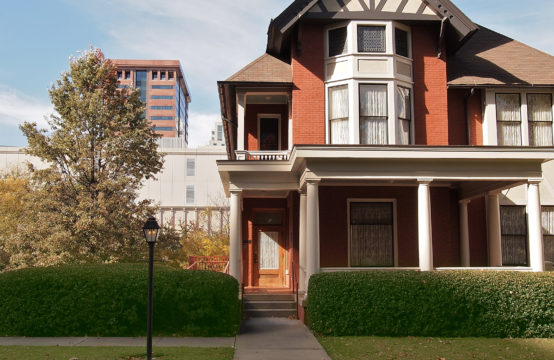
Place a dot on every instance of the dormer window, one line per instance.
(371, 39)
(338, 43)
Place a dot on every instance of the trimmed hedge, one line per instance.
(111, 300)
(453, 304)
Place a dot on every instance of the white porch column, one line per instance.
(536, 252)
(425, 243)
(464, 234)
(312, 228)
(302, 244)
(493, 230)
(235, 236)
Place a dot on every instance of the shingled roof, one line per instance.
(492, 59)
(265, 69)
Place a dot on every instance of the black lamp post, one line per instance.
(151, 230)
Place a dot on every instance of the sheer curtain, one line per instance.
(513, 224)
(373, 114)
(404, 106)
(269, 250)
(371, 234)
(548, 235)
(508, 118)
(539, 109)
(338, 114)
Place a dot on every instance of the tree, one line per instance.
(100, 148)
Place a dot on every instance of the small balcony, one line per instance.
(262, 155)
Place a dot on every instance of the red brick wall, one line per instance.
(476, 119)
(457, 127)
(430, 96)
(477, 218)
(251, 124)
(308, 94)
(445, 227)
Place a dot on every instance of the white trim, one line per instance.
(394, 226)
(270, 116)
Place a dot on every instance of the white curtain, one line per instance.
(508, 116)
(548, 236)
(373, 114)
(539, 109)
(513, 224)
(371, 234)
(338, 114)
(404, 107)
(269, 250)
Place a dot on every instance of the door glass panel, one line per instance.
(269, 250)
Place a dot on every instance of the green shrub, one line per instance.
(454, 304)
(111, 300)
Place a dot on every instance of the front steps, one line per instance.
(269, 305)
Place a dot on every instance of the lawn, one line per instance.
(111, 353)
(418, 348)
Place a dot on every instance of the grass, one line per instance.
(419, 348)
(111, 353)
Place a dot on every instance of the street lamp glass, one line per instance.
(151, 230)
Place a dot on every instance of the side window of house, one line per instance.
(338, 114)
(539, 110)
(371, 234)
(219, 132)
(548, 236)
(513, 226)
(373, 114)
(508, 119)
(338, 43)
(189, 194)
(371, 39)
(191, 167)
(404, 106)
(401, 42)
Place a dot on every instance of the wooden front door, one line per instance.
(270, 256)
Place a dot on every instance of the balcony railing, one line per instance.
(262, 155)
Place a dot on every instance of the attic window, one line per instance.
(337, 42)
(401, 41)
(371, 39)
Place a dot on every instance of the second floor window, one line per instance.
(338, 114)
(191, 167)
(338, 44)
(371, 39)
(373, 114)
(404, 106)
(189, 195)
(508, 118)
(539, 109)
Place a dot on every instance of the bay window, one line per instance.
(371, 39)
(404, 108)
(539, 110)
(373, 114)
(338, 114)
(338, 43)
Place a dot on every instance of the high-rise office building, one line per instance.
(164, 90)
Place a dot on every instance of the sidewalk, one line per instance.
(277, 339)
(119, 341)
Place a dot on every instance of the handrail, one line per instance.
(226, 270)
(295, 286)
(192, 266)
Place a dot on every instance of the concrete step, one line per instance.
(286, 313)
(269, 297)
(268, 305)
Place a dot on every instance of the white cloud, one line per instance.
(200, 127)
(16, 108)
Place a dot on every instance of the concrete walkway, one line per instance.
(119, 341)
(277, 339)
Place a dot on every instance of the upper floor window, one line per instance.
(404, 106)
(371, 39)
(338, 43)
(189, 195)
(373, 114)
(539, 110)
(127, 74)
(401, 42)
(338, 114)
(191, 167)
(162, 75)
(119, 75)
(171, 75)
(508, 118)
(219, 132)
(154, 75)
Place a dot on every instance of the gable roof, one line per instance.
(489, 58)
(366, 9)
(265, 69)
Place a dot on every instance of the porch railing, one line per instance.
(262, 155)
(211, 263)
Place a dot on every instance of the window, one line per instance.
(171, 75)
(268, 218)
(162, 86)
(161, 107)
(127, 75)
(154, 75)
(548, 236)
(371, 234)
(338, 44)
(119, 75)
(141, 84)
(513, 225)
(508, 119)
(122, 86)
(338, 114)
(191, 167)
(161, 117)
(162, 75)
(190, 194)
(373, 114)
(404, 106)
(219, 132)
(401, 42)
(161, 97)
(371, 39)
(269, 133)
(539, 110)
(163, 128)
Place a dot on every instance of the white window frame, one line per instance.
(270, 116)
(193, 161)
(490, 131)
(394, 227)
(187, 187)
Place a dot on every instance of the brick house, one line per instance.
(384, 134)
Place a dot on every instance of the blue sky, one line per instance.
(212, 39)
